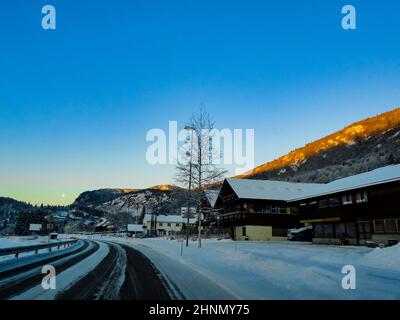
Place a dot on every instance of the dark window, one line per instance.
(243, 231)
(379, 226)
(328, 230)
(323, 203)
(362, 196)
(340, 229)
(178, 224)
(283, 210)
(274, 210)
(351, 230)
(390, 226)
(168, 224)
(279, 232)
(346, 199)
(334, 202)
(319, 230)
(160, 224)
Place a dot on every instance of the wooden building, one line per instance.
(258, 209)
(358, 210)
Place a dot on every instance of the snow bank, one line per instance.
(9, 242)
(386, 258)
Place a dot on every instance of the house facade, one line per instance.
(355, 210)
(166, 224)
(258, 209)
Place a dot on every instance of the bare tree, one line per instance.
(200, 170)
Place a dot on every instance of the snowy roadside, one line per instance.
(9, 242)
(270, 270)
(67, 278)
(22, 241)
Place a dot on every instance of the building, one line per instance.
(103, 225)
(356, 210)
(209, 210)
(135, 230)
(258, 209)
(166, 224)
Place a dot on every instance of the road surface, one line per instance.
(88, 270)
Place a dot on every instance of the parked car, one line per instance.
(300, 234)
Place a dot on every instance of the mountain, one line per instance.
(361, 146)
(10, 206)
(152, 199)
(90, 198)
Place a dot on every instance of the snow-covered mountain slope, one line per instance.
(99, 196)
(360, 147)
(138, 202)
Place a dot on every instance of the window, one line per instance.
(351, 230)
(243, 231)
(334, 202)
(274, 210)
(283, 210)
(328, 230)
(346, 199)
(379, 226)
(387, 225)
(323, 203)
(390, 226)
(319, 230)
(178, 224)
(279, 232)
(362, 196)
(340, 229)
(168, 224)
(160, 224)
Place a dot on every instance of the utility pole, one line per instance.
(190, 184)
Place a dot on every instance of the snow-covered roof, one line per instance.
(378, 176)
(212, 196)
(170, 218)
(268, 189)
(103, 222)
(135, 227)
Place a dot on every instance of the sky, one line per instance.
(76, 102)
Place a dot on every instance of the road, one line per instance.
(88, 270)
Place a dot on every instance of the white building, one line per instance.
(166, 224)
(135, 229)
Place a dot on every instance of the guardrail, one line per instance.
(17, 250)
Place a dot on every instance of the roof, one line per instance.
(103, 222)
(378, 176)
(170, 218)
(268, 189)
(135, 227)
(212, 196)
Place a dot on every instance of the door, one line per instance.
(364, 229)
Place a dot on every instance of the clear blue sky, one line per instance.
(76, 103)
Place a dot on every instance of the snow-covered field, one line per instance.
(272, 270)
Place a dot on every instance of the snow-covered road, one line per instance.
(86, 270)
(272, 270)
(106, 267)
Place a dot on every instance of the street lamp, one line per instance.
(188, 128)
